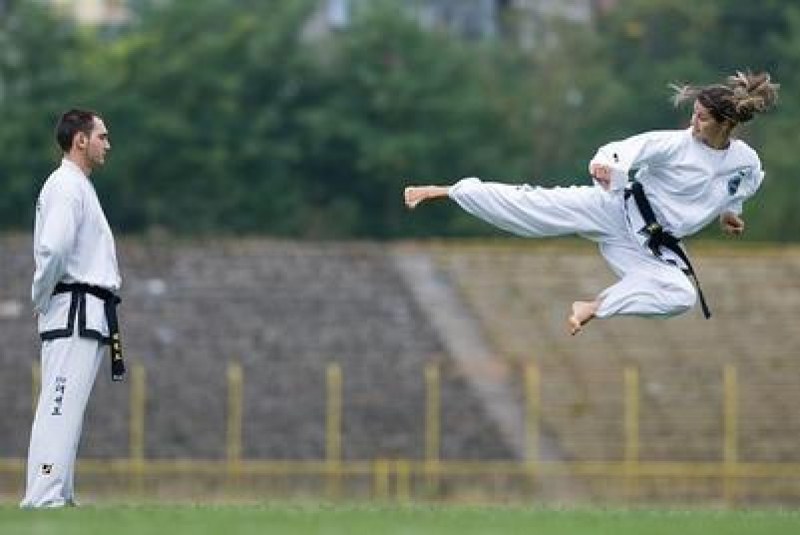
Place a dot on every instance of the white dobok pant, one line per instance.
(69, 368)
(647, 286)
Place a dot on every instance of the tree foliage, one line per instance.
(40, 58)
(236, 117)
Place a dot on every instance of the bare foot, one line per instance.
(582, 313)
(413, 195)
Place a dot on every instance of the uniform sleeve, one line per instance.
(60, 212)
(751, 181)
(650, 148)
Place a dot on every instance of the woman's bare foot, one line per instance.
(582, 313)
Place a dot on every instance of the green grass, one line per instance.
(357, 519)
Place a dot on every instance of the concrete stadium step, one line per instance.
(755, 299)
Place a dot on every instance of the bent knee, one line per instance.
(682, 295)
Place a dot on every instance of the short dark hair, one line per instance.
(72, 122)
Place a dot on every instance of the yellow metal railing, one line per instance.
(432, 426)
(235, 413)
(731, 433)
(333, 430)
(404, 479)
(395, 479)
(631, 432)
(233, 442)
(138, 410)
(532, 416)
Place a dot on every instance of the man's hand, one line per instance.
(602, 174)
(731, 224)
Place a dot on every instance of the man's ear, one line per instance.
(81, 140)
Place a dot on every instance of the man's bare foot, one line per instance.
(582, 313)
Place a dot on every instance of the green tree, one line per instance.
(235, 117)
(41, 69)
(401, 104)
(202, 96)
(775, 215)
(654, 42)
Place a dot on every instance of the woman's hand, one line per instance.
(731, 224)
(602, 174)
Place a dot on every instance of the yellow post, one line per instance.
(138, 401)
(533, 399)
(730, 440)
(381, 482)
(333, 429)
(631, 432)
(36, 384)
(532, 413)
(235, 411)
(432, 426)
(403, 474)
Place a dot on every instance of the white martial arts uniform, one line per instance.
(687, 183)
(72, 243)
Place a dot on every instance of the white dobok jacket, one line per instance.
(688, 183)
(72, 242)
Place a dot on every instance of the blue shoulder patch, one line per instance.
(736, 180)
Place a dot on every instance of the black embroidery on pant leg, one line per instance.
(58, 401)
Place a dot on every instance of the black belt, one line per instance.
(658, 238)
(110, 302)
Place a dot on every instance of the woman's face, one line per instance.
(704, 127)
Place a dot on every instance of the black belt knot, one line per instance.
(658, 238)
(110, 302)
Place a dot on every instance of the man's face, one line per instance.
(704, 126)
(96, 144)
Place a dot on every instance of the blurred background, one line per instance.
(293, 331)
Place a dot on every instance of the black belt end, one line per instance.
(117, 370)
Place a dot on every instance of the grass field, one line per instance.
(410, 520)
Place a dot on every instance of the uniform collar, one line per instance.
(72, 166)
(707, 148)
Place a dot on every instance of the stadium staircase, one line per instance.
(285, 310)
(521, 293)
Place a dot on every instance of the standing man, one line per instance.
(74, 299)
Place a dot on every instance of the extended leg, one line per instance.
(530, 211)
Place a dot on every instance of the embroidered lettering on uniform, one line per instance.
(47, 469)
(736, 180)
(58, 401)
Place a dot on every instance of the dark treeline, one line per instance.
(229, 117)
